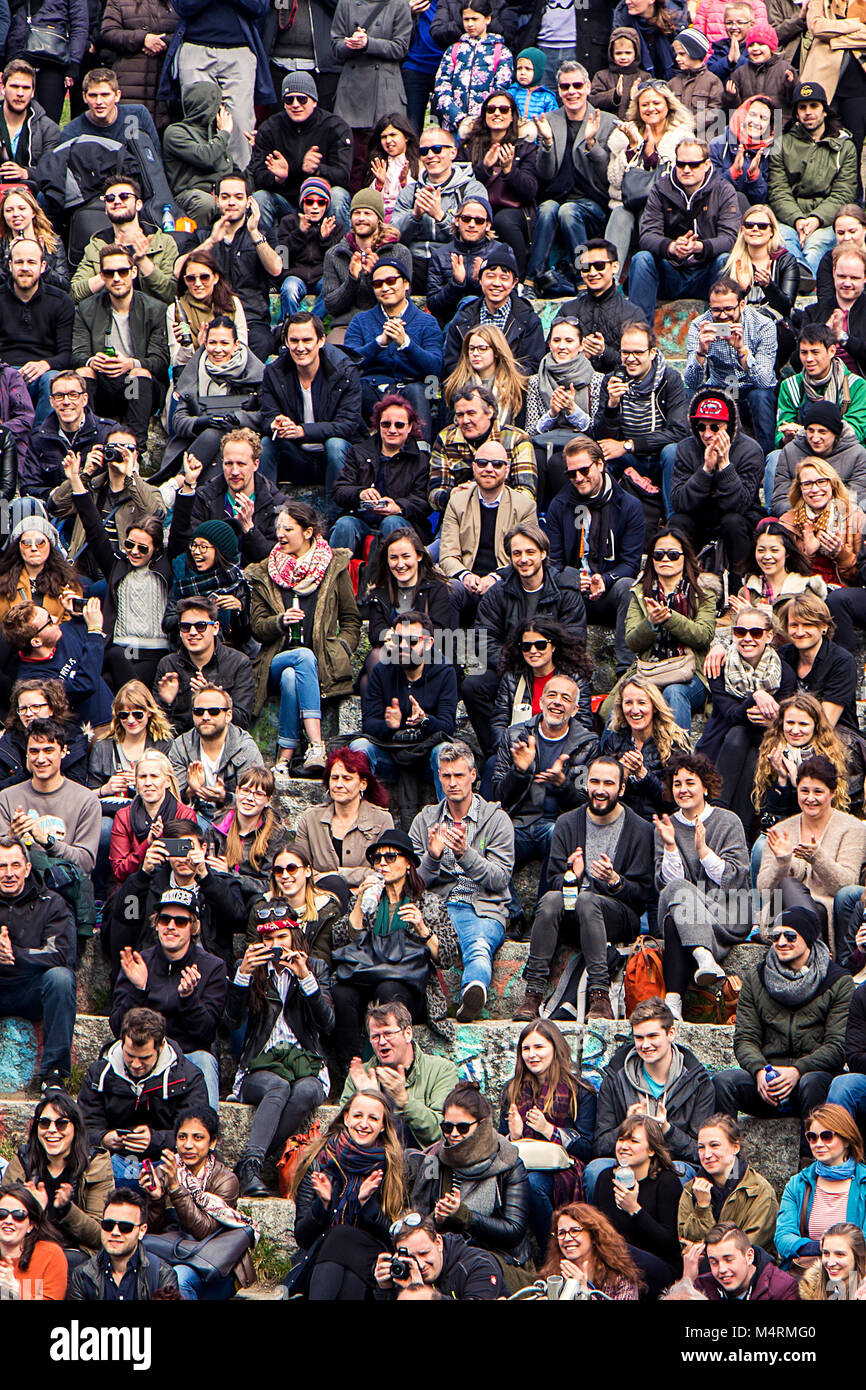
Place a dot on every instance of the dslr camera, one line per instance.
(401, 1264)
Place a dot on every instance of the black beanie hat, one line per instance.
(826, 413)
(802, 921)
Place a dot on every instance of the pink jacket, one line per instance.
(710, 17)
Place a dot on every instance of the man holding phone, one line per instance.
(72, 651)
(733, 342)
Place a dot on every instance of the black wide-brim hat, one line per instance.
(399, 840)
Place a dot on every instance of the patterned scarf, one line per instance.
(215, 1206)
(190, 582)
(595, 542)
(831, 519)
(742, 679)
(835, 389)
(301, 574)
(665, 645)
(560, 1113)
(342, 1157)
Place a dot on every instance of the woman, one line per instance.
(825, 521)
(135, 35)
(305, 615)
(346, 284)
(206, 562)
(838, 1275)
(70, 1183)
(403, 578)
(832, 52)
(537, 648)
(671, 619)
(831, 1189)
(39, 699)
(698, 852)
(776, 570)
(474, 1182)
(70, 20)
(849, 224)
(370, 39)
(642, 735)
(205, 294)
(811, 856)
(293, 887)
(455, 264)
(545, 1100)
(335, 837)
(21, 216)
(727, 1188)
(32, 1264)
(742, 155)
(391, 457)
(280, 1002)
(644, 1209)
(504, 162)
(33, 569)
(585, 1247)
(768, 273)
(393, 158)
(248, 836)
(563, 394)
(746, 696)
(136, 826)
(486, 359)
(655, 122)
(196, 1188)
(390, 946)
(218, 390)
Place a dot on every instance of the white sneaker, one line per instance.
(709, 971)
(314, 758)
(675, 1004)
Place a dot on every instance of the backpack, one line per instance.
(290, 1158)
(497, 54)
(715, 1004)
(644, 976)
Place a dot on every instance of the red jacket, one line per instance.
(126, 853)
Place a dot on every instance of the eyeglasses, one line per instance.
(807, 485)
(458, 1126)
(298, 99)
(629, 353)
(273, 911)
(60, 1125)
(124, 715)
(535, 645)
(125, 1227)
(136, 548)
(386, 282)
(200, 625)
(789, 936)
(571, 1233)
(165, 919)
(386, 1033)
(471, 220)
(581, 471)
(14, 1214)
(384, 856)
(586, 266)
(479, 347)
(200, 547)
(118, 197)
(118, 273)
(758, 226)
(199, 279)
(67, 395)
(504, 110)
(256, 792)
(667, 554)
(820, 1136)
(314, 201)
(432, 149)
(200, 711)
(690, 163)
(33, 709)
(712, 425)
(750, 631)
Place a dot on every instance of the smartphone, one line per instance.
(277, 954)
(722, 330)
(177, 849)
(78, 603)
(122, 1133)
(148, 1170)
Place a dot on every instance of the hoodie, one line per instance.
(419, 233)
(110, 1097)
(196, 153)
(733, 489)
(688, 1098)
(847, 456)
(603, 93)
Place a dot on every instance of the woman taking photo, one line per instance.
(336, 836)
(825, 521)
(40, 699)
(203, 294)
(403, 579)
(538, 648)
(505, 163)
(727, 1188)
(838, 1275)
(487, 360)
(248, 836)
(642, 735)
(584, 1246)
(390, 946)
(768, 273)
(156, 802)
(305, 616)
(655, 122)
(206, 562)
(545, 1100)
(390, 458)
(640, 1197)
(393, 155)
(293, 888)
(217, 391)
(346, 283)
(33, 569)
(776, 570)
(21, 216)
(699, 851)
(32, 1265)
(831, 1189)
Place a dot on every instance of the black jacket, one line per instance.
(443, 292)
(506, 695)
(259, 541)
(221, 912)
(605, 314)
(446, 26)
(41, 930)
(406, 477)
(833, 678)
(707, 496)
(8, 464)
(646, 797)
(114, 565)
(13, 757)
(468, 1274)
(519, 794)
(108, 1098)
(523, 331)
(42, 470)
(313, 1219)
(633, 859)
(435, 692)
(855, 1033)
(308, 1015)
(228, 668)
(730, 711)
(504, 607)
(87, 1282)
(293, 139)
(712, 213)
(688, 1103)
(623, 547)
(672, 423)
(239, 263)
(654, 1226)
(505, 1229)
(192, 1020)
(40, 329)
(336, 393)
(432, 597)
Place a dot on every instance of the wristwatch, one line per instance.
(50, 842)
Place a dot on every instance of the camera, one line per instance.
(723, 330)
(401, 1265)
(112, 453)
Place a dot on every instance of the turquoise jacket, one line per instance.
(789, 1238)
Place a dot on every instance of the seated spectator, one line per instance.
(644, 1210)
(346, 288)
(537, 648)
(824, 521)
(16, 422)
(208, 759)
(475, 409)
(727, 1188)
(503, 159)
(486, 359)
(799, 730)
(841, 308)
(34, 569)
(209, 566)
(766, 72)
(202, 656)
(217, 390)
(742, 156)
(562, 397)
(305, 615)
(25, 118)
(655, 120)
(456, 264)
(417, 1082)
(303, 138)
(307, 235)
(830, 1189)
(612, 87)
(122, 1268)
(195, 149)
(740, 1271)
(154, 252)
(449, 1265)
(823, 378)
(838, 1275)
(137, 825)
(600, 308)
(32, 1265)
(425, 207)
(733, 342)
(478, 517)
(70, 425)
(642, 735)
(204, 293)
(39, 345)
(62, 817)
(73, 652)
(40, 699)
(393, 157)
(849, 1090)
(396, 459)
(813, 172)
(250, 834)
(823, 434)
(585, 1247)
(605, 851)
(293, 892)
(309, 442)
(776, 571)
(402, 577)
(699, 89)
(22, 216)
(702, 876)
(849, 229)
(791, 1018)
(824, 669)
(178, 980)
(729, 42)
(37, 955)
(335, 837)
(477, 65)
(498, 304)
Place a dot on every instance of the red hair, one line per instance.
(610, 1254)
(416, 430)
(354, 760)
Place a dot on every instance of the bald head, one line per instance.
(490, 467)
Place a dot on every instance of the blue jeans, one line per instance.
(193, 1286)
(760, 402)
(669, 456)
(39, 395)
(850, 1092)
(480, 938)
(208, 1066)
(770, 478)
(816, 245)
(273, 206)
(297, 674)
(755, 858)
(650, 278)
(383, 764)
(577, 221)
(102, 867)
(844, 903)
(48, 995)
(541, 1206)
(292, 291)
(531, 842)
(686, 700)
(321, 467)
(684, 1171)
(350, 531)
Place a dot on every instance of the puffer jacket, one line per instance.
(751, 1204)
(506, 1228)
(710, 17)
(469, 71)
(810, 1037)
(810, 178)
(792, 1226)
(125, 24)
(195, 152)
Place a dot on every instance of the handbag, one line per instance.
(542, 1156)
(637, 183)
(671, 670)
(212, 1258)
(47, 43)
(290, 1159)
(372, 960)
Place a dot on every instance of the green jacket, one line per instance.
(147, 329)
(810, 1038)
(812, 178)
(854, 412)
(160, 283)
(753, 1206)
(196, 154)
(696, 632)
(428, 1082)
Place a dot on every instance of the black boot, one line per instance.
(249, 1171)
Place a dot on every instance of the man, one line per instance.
(475, 424)
(241, 495)
(26, 132)
(823, 433)
(300, 140)
(687, 231)
(196, 150)
(717, 475)
(71, 651)
(741, 1272)
(425, 207)
(848, 1090)
(178, 979)
(824, 377)
(601, 309)
(608, 850)
(122, 1269)
(791, 1014)
(499, 304)
(119, 345)
(396, 344)
(466, 846)
(572, 168)
(210, 758)
(37, 957)
(35, 324)
(310, 404)
(245, 256)
(735, 344)
(844, 312)
(153, 253)
(812, 174)
(454, 265)
(202, 661)
(416, 1082)
(62, 817)
(448, 1263)
(478, 517)
(410, 704)
(530, 585)
(69, 426)
(823, 668)
(596, 527)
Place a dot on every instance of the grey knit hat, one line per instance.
(300, 84)
(35, 523)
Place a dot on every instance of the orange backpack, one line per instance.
(290, 1159)
(644, 976)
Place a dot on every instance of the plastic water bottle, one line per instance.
(34, 815)
(370, 899)
(624, 1176)
(771, 1074)
(569, 892)
(167, 218)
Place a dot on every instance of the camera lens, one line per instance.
(400, 1267)
(112, 454)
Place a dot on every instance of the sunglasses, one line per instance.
(136, 548)
(758, 226)
(471, 220)
(411, 1220)
(386, 282)
(118, 197)
(199, 279)
(537, 645)
(789, 936)
(13, 1214)
(432, 149)
(297, 100)
(712, 425)
(580, 472)
(820, 1136)
(273, 911)
(290, 870)
(593, 265)
(457, 1126)
(384, 856)
(690, 163)
(200, 625)
(60, 1125)
(667, 554)
(750, 631)
(125, 1227)
(572, 86)
(201, 710)
(165, 919)
(500, 110)
(126, 714)
(118, 273)
(315, 202)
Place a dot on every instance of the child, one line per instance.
(711, 15)
(612, 86)
(307, 235)
(766, 73)
(729, 51)
(472, 68)
(699, 91)
(531, 96)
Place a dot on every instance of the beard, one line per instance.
(600, 803)
(120, 215)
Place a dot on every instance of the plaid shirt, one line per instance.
(499, 317)
(722, 366)
(451, 461)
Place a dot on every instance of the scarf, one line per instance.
(342, 1158)
(795, 987)
(387, 920)
(638, 409)
(742, 679)
(842, 1172)
(592, 524)
(720, 1192)
(474, 1163)
(214, 380)
(836, 389)
(578, 373)
(195, 1184)
(301, 575)
(196, 312)
(831, 519)
(738, 129)
(190, 582)
(665, 645)
(140, 822)
(384, 236)
(560, 1113)
(798, 755)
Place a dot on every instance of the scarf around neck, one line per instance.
(342, 1157)
(835, 387)
(215, 379)
(577, 373)
(795, 987)
(301, 574)
(841, 1172)
(210, 1202)
(742, 679)
(140, 822)
(592, 524)
(559, 1114)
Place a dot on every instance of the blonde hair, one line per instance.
(825, 741)
(152, 755)
(42, 228)
(664, 731)
(509, 382)
(136, 693)
(824, 470)
(678, 115)
(739, 265)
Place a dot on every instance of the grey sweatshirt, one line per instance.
(72, 814)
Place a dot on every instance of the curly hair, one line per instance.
(825, 740)
(610, 1254)
(54, 693)
(664, 730)
(702, 767)
(569, 652)
(393, 1189)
